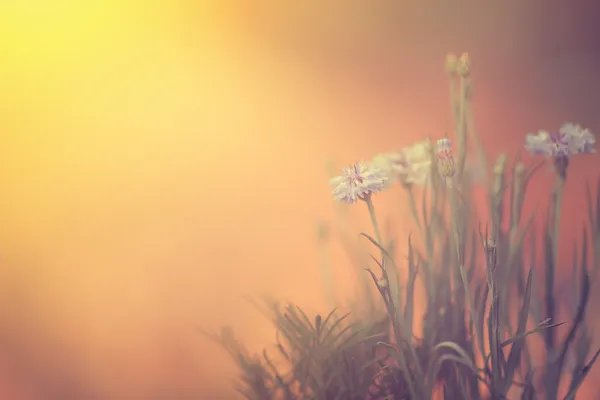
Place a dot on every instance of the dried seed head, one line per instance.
(464, 65)
(451, 64)
(500, 164)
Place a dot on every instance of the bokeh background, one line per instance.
(161, 159)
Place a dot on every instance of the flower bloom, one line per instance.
(410, 166)
(357, 182)
(571, 139)
(388, 164)
(446, 163)
(417, 165)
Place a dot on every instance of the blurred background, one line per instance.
(158, 160)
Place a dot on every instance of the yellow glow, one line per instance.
(158, 159)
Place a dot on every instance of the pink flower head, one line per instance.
(446, 164)
(357, 182)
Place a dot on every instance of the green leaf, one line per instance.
(514, 356)
(583, 374)
(529, 390)
(549, 287)
(410, 289)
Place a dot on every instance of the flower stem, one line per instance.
(551, 265)
(374, 220)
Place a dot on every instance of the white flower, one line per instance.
(416, 166)
(582, 140)
(387, 163)
(410, 166)
(357, 182)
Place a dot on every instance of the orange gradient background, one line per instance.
(161, 159)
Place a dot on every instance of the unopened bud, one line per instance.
(446, 164)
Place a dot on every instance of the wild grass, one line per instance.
(479, 277)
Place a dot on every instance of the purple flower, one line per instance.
(570, 139)
(357, 182)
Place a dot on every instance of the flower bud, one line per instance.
(446, 164)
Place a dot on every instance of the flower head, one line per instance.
(410, 166)
(357, 182)
(570, 140)
(446, 163)
(416, 165)
(388, 164)
(581, 140)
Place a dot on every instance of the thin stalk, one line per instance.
(393, 279)
(549, 297)
(373, 216)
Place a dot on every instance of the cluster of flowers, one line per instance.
(413, 165)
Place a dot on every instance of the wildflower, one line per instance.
(388, 164)
(358, 181)
(410, 166)
(418, 160)
(416, 164)
(446, 163)
(569, 140)
(582, 140)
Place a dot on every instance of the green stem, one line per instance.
(392, 272)
(374, 220)
(558, 199)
